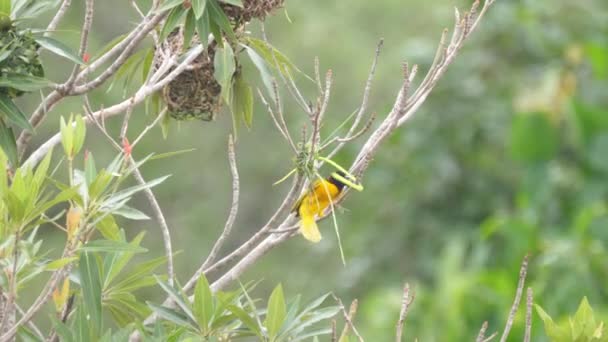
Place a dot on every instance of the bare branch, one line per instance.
(482, 332)
(161, 222)
(233, 209)
(117, 109)
(352, 311)
(529, 303)
(84, 41)
(364, 103)
(58, 16)
(348, 317)
(334, 336)
(124, 48)
(520, 289)
(279, 123)
(405, 304)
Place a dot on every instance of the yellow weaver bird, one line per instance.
(323, 192)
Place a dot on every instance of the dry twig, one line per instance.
(520, 289)
(405, 304)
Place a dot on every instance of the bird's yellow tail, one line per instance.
(309, 229)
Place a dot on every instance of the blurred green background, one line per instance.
(509, 155)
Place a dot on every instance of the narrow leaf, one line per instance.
(219, 17)
(224, 69)
(110, 246)
(91, 290)
(8, 144)
(199, 7)
(203, 303)
(276, 312)
(12, 113)
(243, 100)
(24, 82)
(59, 49)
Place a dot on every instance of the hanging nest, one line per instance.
(252, 9)
(194, 94)
(18, 56)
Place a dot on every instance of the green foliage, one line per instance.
(234, 314)
(582, 327)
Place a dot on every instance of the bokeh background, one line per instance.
(508, 156)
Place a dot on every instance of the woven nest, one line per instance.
(194, 94)
(252, 9)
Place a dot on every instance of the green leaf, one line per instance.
(90, 282)
(246, 319)
(189, 28)
(128, 192)
(224, 65)
(67, 136)
(137, 278)
(173, 20)
(111, 246)
(130, 213)
(8, 143)
(80, 130)
(147, 64)
(203, 303)
(198, 6)
(219, 17)
(203, 28)
(555, 332)
(24, 82)
(237, 3)
(32, 9)
(59, 49)
(59, 263)
(177, 297)
(90, 172)
(307, 336)
(243, 100)
(277, 311)
(171, 315)
(108, 228)
(274, 57)
(260, 64)
(62, 330)
(114, 263)
(171, 154)
(583, 323)
(12, 113)
(168, 4)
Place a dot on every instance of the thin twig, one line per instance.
(58, 16)
(334, 336)
(520, 289)
(364, 103)
(491, 337)
(84, 42)
(352, 311)
(153, 124)
(405, 304)
(529, 303)
(482, 332)
(161, 222)
(117, 109)
(233, 209)
(125, 121)
(347, 317)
